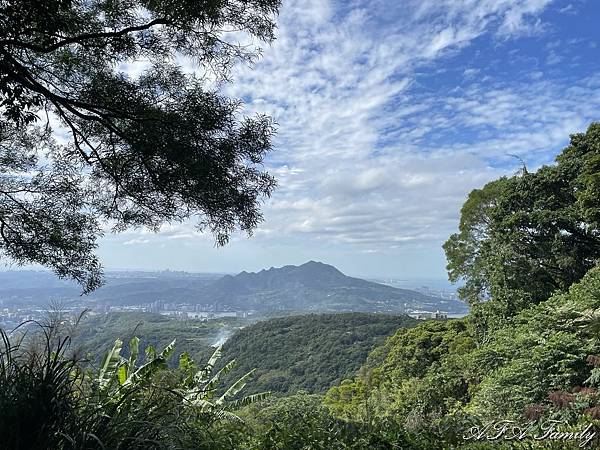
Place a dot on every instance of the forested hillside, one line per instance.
(310, 352)
(528, 248)
(95, 334)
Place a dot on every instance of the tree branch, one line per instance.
(84, 37)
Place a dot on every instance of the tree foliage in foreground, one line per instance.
(524, 237)
(99, 122)
(302, 422)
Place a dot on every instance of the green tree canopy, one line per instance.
(83, 140)
(524, 237)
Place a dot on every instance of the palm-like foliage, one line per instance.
(48, 400)
(196, 387)
(199, 387)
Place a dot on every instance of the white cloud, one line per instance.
(369, 158)
(351, 132)
(136, 241)
(470, 73)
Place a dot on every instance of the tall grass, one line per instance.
(39, 397)
(50, 400)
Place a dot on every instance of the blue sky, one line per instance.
(389, 113)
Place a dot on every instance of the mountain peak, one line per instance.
(319, 267)
(310, 275)
(313, 263)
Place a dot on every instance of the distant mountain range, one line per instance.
(315, 286)
(310, 287)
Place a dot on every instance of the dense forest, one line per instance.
(310, 352)
(299, 352)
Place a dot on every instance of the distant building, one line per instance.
(440, 315)
(156, 307)
(424, 315)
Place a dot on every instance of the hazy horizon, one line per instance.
(413, 281)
